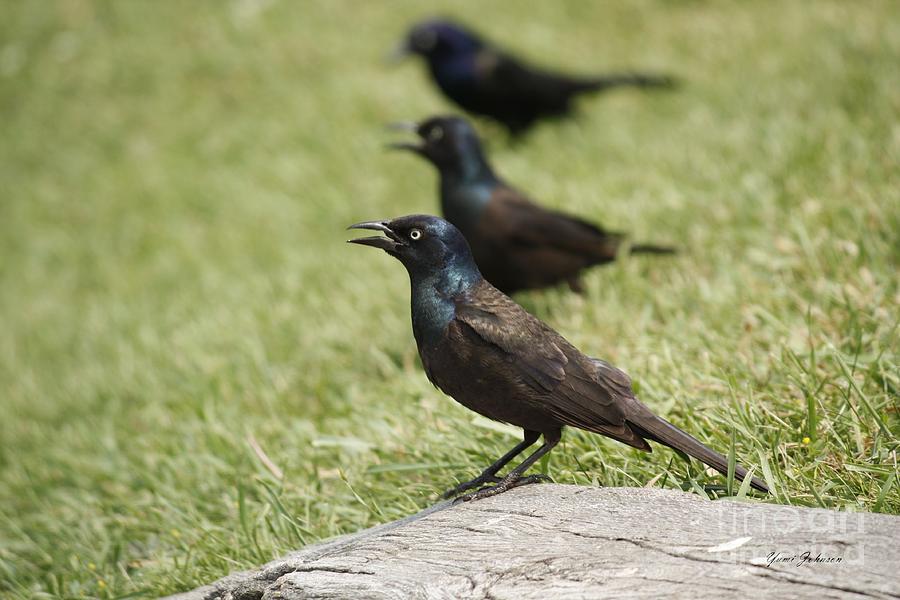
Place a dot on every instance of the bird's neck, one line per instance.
(469, 167)
(433, 298)
(466, 189)
(454, 71)
(462, 204)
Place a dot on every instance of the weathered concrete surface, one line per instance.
(556, 541)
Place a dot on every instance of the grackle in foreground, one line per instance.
(517, 244)
(493, 357)
(487, 81)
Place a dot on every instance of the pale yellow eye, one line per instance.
(415, 235)
(435, 134)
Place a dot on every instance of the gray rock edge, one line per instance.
(562, 541)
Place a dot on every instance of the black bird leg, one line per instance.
(575, 284)
(514, 478)
(489, 474)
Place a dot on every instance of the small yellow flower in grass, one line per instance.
(101, 584)
(175, 533)
(806, 440)
(92, 567)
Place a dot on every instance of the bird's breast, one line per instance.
(431, 313)
(482, 383)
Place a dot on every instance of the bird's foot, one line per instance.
(507, 483)
(468, 485)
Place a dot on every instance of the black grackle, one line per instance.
(493, 357)
(487, 81)
(517, 244)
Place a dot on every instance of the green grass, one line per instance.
(174, 281)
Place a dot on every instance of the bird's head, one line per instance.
(435, 39)
(423, 243)
(447, 142)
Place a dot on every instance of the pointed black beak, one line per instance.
(389, 244)
(407, 146)
(404, 126)
(407, 126)
(398, 53)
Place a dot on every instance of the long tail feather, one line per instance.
(660, 430)
(651, 249)
(641, 80)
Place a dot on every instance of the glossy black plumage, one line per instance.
(492, 356)
(487, 81)
(517, 244)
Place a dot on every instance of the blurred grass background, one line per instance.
(175, 288)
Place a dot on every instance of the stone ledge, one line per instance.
(560, 541)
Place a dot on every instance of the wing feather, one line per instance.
(575, 389)
(525, 223)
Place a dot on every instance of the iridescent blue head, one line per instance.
(450, 144)
(426, 245)
(436, 39)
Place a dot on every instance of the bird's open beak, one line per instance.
(389, 244)
(398, 53)
(408, 126)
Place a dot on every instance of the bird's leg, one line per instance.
(514, 478)
(575, 284)
(489, 474)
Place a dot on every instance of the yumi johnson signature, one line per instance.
(799, 560)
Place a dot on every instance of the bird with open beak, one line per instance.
(493, 357)
(518, 244)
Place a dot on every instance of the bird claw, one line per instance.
(503, 485)
(468, 485)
